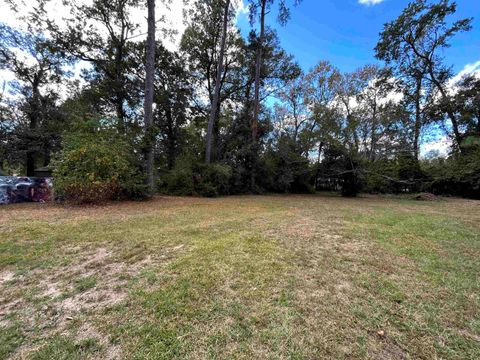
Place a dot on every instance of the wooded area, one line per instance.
(228, 114)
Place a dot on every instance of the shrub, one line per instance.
(198, 179)
(286, 170)
(212, 180)
(178, 181)
(96, 165)
(353, 178)
(457, 175)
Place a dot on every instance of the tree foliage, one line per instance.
(267, 124)
(94, 165)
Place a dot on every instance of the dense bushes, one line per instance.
(402, 174)
(286, 170)
(457, 175)
(192, 178)
(95, 165)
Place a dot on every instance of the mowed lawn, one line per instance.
(248, 277)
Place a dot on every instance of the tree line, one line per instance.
(230, 114)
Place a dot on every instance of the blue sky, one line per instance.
(346, 31)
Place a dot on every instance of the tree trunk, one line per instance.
(214, 111)
(256, 101)
(119, 97)
(148, 103)
(120, 114)
(418, 118)
(374, 140)
(478, 123)
(33, 115)
(258, 68)
(30, 163)
(171, 140)
(319, 160)
(215, 151)
(47, 155)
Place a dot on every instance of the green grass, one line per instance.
(65, 348)
(85, 283)
(274, 277)
(442, 291)
(11, 337)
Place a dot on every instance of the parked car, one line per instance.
(24, 189)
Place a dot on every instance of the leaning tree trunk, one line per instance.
(449, 110)
(216, 95)
(148, 102)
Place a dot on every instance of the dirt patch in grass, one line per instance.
(53, 300)
(6, 276)
(119, 211)
(470, 335)
(427, 197)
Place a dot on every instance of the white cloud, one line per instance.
(240, 7)
(469, 69)
(438, 147)
(370, 2)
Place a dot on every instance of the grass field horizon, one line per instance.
(241, 277)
